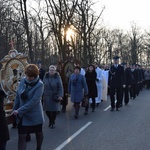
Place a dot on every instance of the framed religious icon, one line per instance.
(67, 70)
(11, 73)
(14, 71)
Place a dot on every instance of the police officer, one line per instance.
(115, 83)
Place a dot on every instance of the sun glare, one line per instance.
(70, 34)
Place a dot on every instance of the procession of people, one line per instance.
(41, 91)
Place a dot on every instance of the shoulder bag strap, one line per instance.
(50, 85)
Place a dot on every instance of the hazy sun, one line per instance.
(70, 34)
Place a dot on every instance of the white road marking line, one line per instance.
(108, 106)
(73, 136)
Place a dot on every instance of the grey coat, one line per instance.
(52, 84)
(30, 110)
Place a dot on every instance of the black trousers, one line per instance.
(137, 89)
(133, 90)
(147, 82)
(115, 91)
(2, 145)
(126, 95)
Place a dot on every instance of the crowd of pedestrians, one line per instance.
(45, 91)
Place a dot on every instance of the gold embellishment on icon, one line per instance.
(14, 66)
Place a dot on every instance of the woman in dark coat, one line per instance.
(92, 88)
(4, 134)
(52, 86)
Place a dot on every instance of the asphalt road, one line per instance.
(127, 129)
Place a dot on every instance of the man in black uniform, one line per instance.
(134, 83)
(127, 84)
(115, 83)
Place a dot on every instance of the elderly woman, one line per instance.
(77, 88)
(53, 93)
(28, 107)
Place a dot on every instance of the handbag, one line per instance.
(10, 119)
(84, 102)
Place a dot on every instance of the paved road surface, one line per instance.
(128, 129)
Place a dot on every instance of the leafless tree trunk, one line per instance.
(135, 42)
(23, 6)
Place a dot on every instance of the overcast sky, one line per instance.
(120, 13)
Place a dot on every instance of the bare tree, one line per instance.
(23, 6)
(60, 14)
(136, 41)
(10, 28)
(121, 46)
(147, 47)
(42, 28)
(86, 24)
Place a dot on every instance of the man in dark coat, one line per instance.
(115, 83)
(41, 70)
(127, 82)
(4, 133)
(135, 82)
(139, 79)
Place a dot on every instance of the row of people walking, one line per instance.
(28, 107)
(125, 82)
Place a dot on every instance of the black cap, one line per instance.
(123, 63)
(116, 57)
